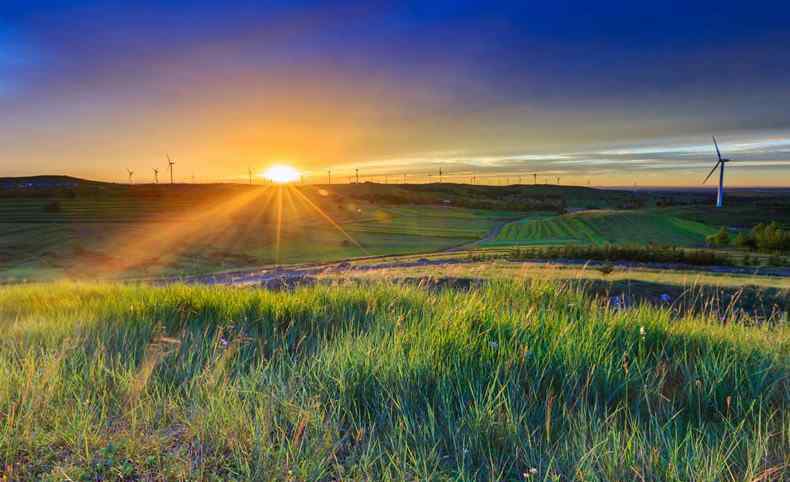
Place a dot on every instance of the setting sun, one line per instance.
(281, 174)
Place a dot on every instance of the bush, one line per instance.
(744, 241)
(721, 238)
(656, 254)
(765, 237)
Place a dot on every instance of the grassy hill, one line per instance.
(149, 230)
(504, 381)
(604, 226)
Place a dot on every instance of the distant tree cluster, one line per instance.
(765, 237)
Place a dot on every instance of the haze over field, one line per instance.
(609, 94)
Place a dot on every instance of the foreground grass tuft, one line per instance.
(507, 381)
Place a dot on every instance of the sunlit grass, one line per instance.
(381, 382)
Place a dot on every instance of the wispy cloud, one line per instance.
(752, 151)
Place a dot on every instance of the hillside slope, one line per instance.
(602, 227)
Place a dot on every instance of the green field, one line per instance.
(81, 229)
(604, 227)
(196, 229)
(503, 381)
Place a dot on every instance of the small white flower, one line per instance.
(494, 345)
(642, 332)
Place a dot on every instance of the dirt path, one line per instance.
(277, 278)
(490, 236)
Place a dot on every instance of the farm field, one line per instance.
(151, 233)
(376, 381)
(604, 227)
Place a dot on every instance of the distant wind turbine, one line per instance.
(156, 176)
(171, 163)
(719, 164)
(131, 173)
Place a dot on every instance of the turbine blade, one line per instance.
(718, 154)
(711, 172)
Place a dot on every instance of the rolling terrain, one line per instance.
(55, 227)
(601, 227)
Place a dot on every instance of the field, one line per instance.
(600, 227)
(510, 380)
(131, 231)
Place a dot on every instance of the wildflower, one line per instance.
(531, 472)
(665, 298)
(223, 341)
(642, 332)
(494, 345)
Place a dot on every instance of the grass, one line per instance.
(373, 381)
(604, 227)
(157, 232)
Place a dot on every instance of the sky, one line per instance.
(607, 93)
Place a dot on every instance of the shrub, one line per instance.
(721, 238)
(659, 254)
(765, 237)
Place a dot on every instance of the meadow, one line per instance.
(134, 231)
(600, 227)
(370, 380)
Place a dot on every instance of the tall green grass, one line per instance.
(509, 381)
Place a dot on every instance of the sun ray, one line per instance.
(328, 218)
(279, 224)
(167, 238)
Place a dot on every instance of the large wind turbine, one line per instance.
(721, 161)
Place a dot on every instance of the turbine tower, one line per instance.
(171, 162)
(719, 164)
(131, 173)
(329, 175)
(156, 176)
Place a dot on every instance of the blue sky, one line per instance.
(605, 90)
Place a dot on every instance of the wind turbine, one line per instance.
(131, 173)
(249, 173)
(156, 175)
(329, 175)
(170, 162)
(721, 161)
